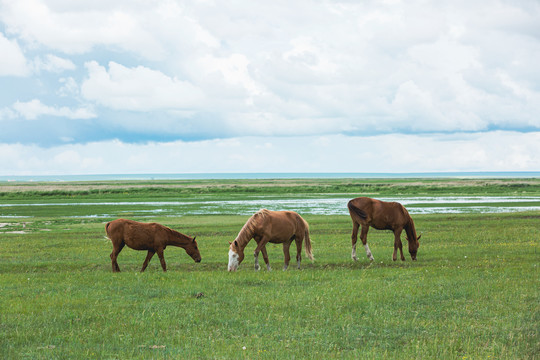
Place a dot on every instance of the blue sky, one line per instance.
(96, 87)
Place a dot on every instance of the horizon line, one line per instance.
(265, 175)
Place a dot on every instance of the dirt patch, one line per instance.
(7, 226)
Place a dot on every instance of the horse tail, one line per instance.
(357, 211)
(107, 229)
(307, 241)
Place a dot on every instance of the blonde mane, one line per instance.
(246, 233)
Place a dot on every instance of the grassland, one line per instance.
(473, 293)
(237, 188)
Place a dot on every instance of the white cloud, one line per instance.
(447, 56)
(233, 70)
(306, 54)
(496, 151)
(12, 61)
(69, 87)
(7, 113)
(150, 30)
(205, 70)
(137, 89)
(33, 109)
(62, 27)
(53, 63)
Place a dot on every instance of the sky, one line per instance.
(138, 87)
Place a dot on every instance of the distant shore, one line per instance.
(271, 175)
(244, 189)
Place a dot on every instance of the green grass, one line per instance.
(472, 294)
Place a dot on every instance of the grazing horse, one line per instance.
(382, 215)
(151, 237)
(277, 227)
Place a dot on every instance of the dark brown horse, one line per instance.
(278, 227)
(151, 237)
(382, 215)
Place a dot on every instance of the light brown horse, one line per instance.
(151, 237)
(277, 227)
(382, 215)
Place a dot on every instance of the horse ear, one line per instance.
(235, 243)
(230, 243)
(418, 238)
(194, 238)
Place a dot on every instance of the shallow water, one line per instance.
(317, 206)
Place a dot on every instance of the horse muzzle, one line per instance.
(232, 268)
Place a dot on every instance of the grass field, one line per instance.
(472, 294)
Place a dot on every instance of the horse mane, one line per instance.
(410, 229)
(177, 234)
(246, 233)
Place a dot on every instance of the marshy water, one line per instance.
(316, 206)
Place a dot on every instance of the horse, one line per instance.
(151, 237)
(382, 215)
(277, 227)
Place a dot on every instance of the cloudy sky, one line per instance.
(133, 86)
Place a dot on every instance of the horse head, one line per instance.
(193, 250)
(236, 255)
(413, 247)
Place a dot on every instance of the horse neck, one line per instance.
(250, 228)
(246, 234)
(410, 230)
(244, 237)
(177, 239)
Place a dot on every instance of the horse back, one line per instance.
(137, 235)
(378, 214)
(282, 225)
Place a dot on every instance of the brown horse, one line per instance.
(151, 237)
(382, 215)
(277, 227)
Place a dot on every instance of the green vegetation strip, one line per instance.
(181, 189)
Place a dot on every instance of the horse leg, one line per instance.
(261, 243)
(299, 250)
(265, 257)
(287, 254)
(147, 260)
(398, 245)
(161, 259)
(363, 237)
(257, 266)
(256, 253)
(354, 239)
(114, 255)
